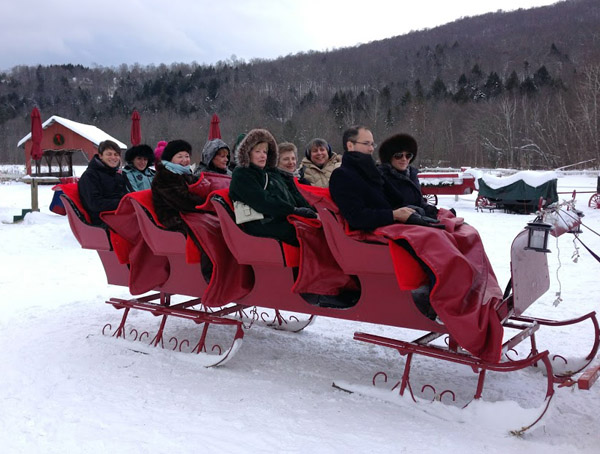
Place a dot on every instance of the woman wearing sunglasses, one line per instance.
(401, 185)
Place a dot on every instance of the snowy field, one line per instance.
(66, 388)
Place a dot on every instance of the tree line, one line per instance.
(482, 92)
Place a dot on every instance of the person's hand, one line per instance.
(402, 214)
(305, 212)
(425, 221)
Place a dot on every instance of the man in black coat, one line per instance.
(102, 186)
(356, 186)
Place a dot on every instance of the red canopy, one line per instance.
(136, 130)
(36, 134)
(214, 131)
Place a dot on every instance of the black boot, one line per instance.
(421, 299)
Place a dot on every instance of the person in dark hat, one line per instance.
(319, 162)
(400, 182)
(102, 186)
(170, 187)
(137, 171)
(215, 158)
(257, 183)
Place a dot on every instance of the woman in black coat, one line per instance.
(170, 186)
(400, 183)
(102, 186)
(257, 182)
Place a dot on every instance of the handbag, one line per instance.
(245, 213)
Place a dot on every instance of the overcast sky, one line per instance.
(112, 32)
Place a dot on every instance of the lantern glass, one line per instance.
(538, 236)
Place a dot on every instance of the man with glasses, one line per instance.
(357, 187)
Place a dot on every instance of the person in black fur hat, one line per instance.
(257, 183)
(137, 171)
(171, 186)
(401, 185)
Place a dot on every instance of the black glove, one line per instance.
(305, 212)
(431, 211)
(417, 219)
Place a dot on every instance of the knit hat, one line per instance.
(160, 146)
(397, 144)
(145, 151)
(174, 147)
(253, 138)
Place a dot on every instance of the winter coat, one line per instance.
(403, 188)
(208, 153)
(357, 189)
(171, 195)
(276, 201)
(100, 188)
(137, 180)
(318, 176)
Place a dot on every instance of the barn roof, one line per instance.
(89, 132)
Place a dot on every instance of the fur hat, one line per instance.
(210, 150)
(160, 146)
(396, 144)
(253, 138)
(145, 151)
(318, 143)
(174, 147)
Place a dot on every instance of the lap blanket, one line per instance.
(465, 291)
(146, 270)
(229, 280)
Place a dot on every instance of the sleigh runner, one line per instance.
(234, 280)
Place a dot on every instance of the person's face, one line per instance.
(401, 160)
(111, 158)
(258, 155)
(363, 143)
(287, 161)
(319, 155)
(221, 159)
(182, 158)
(140, 163)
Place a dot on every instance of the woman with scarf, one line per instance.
(137, 171)
(170, 187)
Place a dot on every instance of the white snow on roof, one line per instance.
(530, 177)
(91, 133)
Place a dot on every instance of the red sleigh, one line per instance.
(231, 278)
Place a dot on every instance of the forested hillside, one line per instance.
(518, 89)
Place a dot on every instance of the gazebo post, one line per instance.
(34, 195)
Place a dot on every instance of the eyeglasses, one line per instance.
(366, 144)
(404, 154)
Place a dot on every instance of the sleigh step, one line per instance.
(589, 377)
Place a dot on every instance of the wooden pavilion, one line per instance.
(61, 139)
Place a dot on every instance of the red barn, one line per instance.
(61, 139)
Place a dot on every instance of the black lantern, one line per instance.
(538, 236)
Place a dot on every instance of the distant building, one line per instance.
(61, 139)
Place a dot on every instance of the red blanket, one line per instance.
(229, 281)
(466, 289)
(146, 270)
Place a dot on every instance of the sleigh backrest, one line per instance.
(160, 240)
(89, 236)
(247, 249)
(354, 257)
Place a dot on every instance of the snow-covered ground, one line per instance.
(65, 388)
